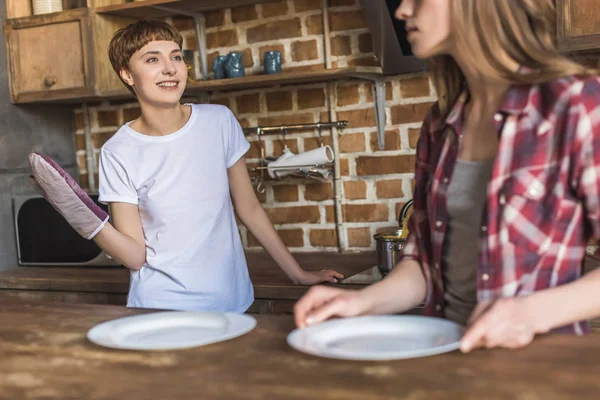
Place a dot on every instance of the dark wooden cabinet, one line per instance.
(578, 25)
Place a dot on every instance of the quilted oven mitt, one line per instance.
(66, 196)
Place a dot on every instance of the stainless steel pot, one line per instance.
(390, 244)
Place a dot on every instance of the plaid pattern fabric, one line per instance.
(543, 198)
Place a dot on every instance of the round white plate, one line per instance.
(170, 330)
(390, 337)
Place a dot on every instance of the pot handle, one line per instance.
(403, 212)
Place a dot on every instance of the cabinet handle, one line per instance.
(50, 81)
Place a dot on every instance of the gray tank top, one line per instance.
(467, 195)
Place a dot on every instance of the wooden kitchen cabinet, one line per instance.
(49, 57)
(578, 25)
(61, 56)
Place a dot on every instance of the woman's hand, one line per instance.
(315, 277)
(506, 322)
(321, 303)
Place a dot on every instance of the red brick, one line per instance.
(81, 162)
(285, 193)
(274, 9)
(296, 118)
(290, 237)
(214, 19)
(281, 29)
(294, 215)
(415, 87)
(107, 118)
(359, 237)
(389, 189)
(311, 98)
(83, 181)
(329, 214)
(413, 137)
(365, 43)
(392, 141)
(348, 95)
(224, 101)
(355, 190)
(313, 142)
(305, 51)
(340, 46)
(247, 58)
(307, 5)
(306, 68)
(365, 212)
(352, 143)
(243, 14)
(100, 138)
(409, 113)
(80, 142)
(278, 146)
(79, 124)
(318, 191)
(367, 165)
(273, 47)
(323, 237)
(399, 208)
(344, 166)
(359, 118)
(245, 123)
(248, 103)
(190, 43)
(314, 24)
(183, 23)
(224, 38)
(279, 101)
(389, 92)
(254, 151)
(347, 20)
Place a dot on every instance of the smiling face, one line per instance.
(157, 73)
(427, 26)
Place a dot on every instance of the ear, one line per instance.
(126, 76)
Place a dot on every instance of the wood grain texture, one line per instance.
(45, 355)
(578, 25)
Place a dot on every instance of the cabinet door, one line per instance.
(49, 57)
(578, 25)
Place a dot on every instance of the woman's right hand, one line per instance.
(321, 303)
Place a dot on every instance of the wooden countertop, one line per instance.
(268, 279)
(45, 355)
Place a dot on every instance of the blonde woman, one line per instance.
(508, 181)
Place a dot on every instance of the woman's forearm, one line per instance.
(402, 289)
(565, 304)
(123, 248)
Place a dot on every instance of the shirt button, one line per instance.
(438, 307)
(438, 223)
(484, 228)
(502, 200)
(498, 117)
(446, 180)
(485, 277)
(536, 189)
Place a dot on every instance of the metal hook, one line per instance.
(320, 134)
(283, 133)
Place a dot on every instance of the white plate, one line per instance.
(390, 337)
(169, 330)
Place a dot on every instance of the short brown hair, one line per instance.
(126, 41)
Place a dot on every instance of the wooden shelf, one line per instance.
(257, 81)
(148, 8)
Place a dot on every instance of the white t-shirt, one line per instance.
(194, 255)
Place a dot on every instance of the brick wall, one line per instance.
(375, 183)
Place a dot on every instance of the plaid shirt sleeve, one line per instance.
(586, 179)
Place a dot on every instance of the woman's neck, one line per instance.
(161, 121)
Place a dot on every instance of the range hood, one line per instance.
(389, 38)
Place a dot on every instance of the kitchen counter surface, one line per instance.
(269, 281)
(45, 355)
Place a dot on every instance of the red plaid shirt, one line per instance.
(543, 197)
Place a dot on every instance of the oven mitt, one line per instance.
(66, 196)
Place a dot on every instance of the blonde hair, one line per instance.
(126, 41)
(487, 31)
